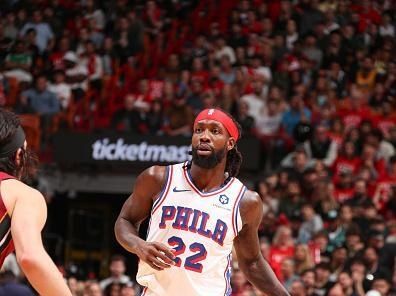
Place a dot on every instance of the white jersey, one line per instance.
(200, 227)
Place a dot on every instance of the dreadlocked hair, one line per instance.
(234, 157)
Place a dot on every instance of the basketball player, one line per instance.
(199, 211)
(23, 212)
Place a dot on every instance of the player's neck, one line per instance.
(208, 179)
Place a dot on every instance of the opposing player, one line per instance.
(23, 212)
(199, 211)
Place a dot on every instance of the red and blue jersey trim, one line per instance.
(162, 195)
(144, 291)
(227, 277)
(235, 210)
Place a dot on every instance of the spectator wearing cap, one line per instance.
(45, 36)
(336, 231)
(312, 223)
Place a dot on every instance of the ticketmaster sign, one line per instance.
(104, 149)
(120, 149)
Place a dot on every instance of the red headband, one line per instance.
(220, 116)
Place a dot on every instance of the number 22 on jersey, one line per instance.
(191, 262)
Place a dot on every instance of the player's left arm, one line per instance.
(250, 259)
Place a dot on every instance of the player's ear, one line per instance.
(231, 143)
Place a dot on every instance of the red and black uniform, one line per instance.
(6, 243)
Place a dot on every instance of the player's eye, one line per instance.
(198, 130)
(216, 131)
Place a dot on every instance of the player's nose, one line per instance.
(204, 137)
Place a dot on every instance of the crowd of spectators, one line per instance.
(315, 81)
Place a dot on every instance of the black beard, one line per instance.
(208, 161)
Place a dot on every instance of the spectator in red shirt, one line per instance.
(347, 160)
(56, 58)
(386, 119)
(282, 247)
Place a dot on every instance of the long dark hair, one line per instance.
(9, 123)
(234, 157)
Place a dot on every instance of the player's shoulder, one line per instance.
(18, 188)
(13, 191)
(153, 175)
(250, 199)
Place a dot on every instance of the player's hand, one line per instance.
(157, 255)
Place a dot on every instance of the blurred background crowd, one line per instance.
(315, 81)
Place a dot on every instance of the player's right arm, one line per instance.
(135, 210)
(28, 213)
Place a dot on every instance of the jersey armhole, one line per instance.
(236, 219)
(165, 189)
